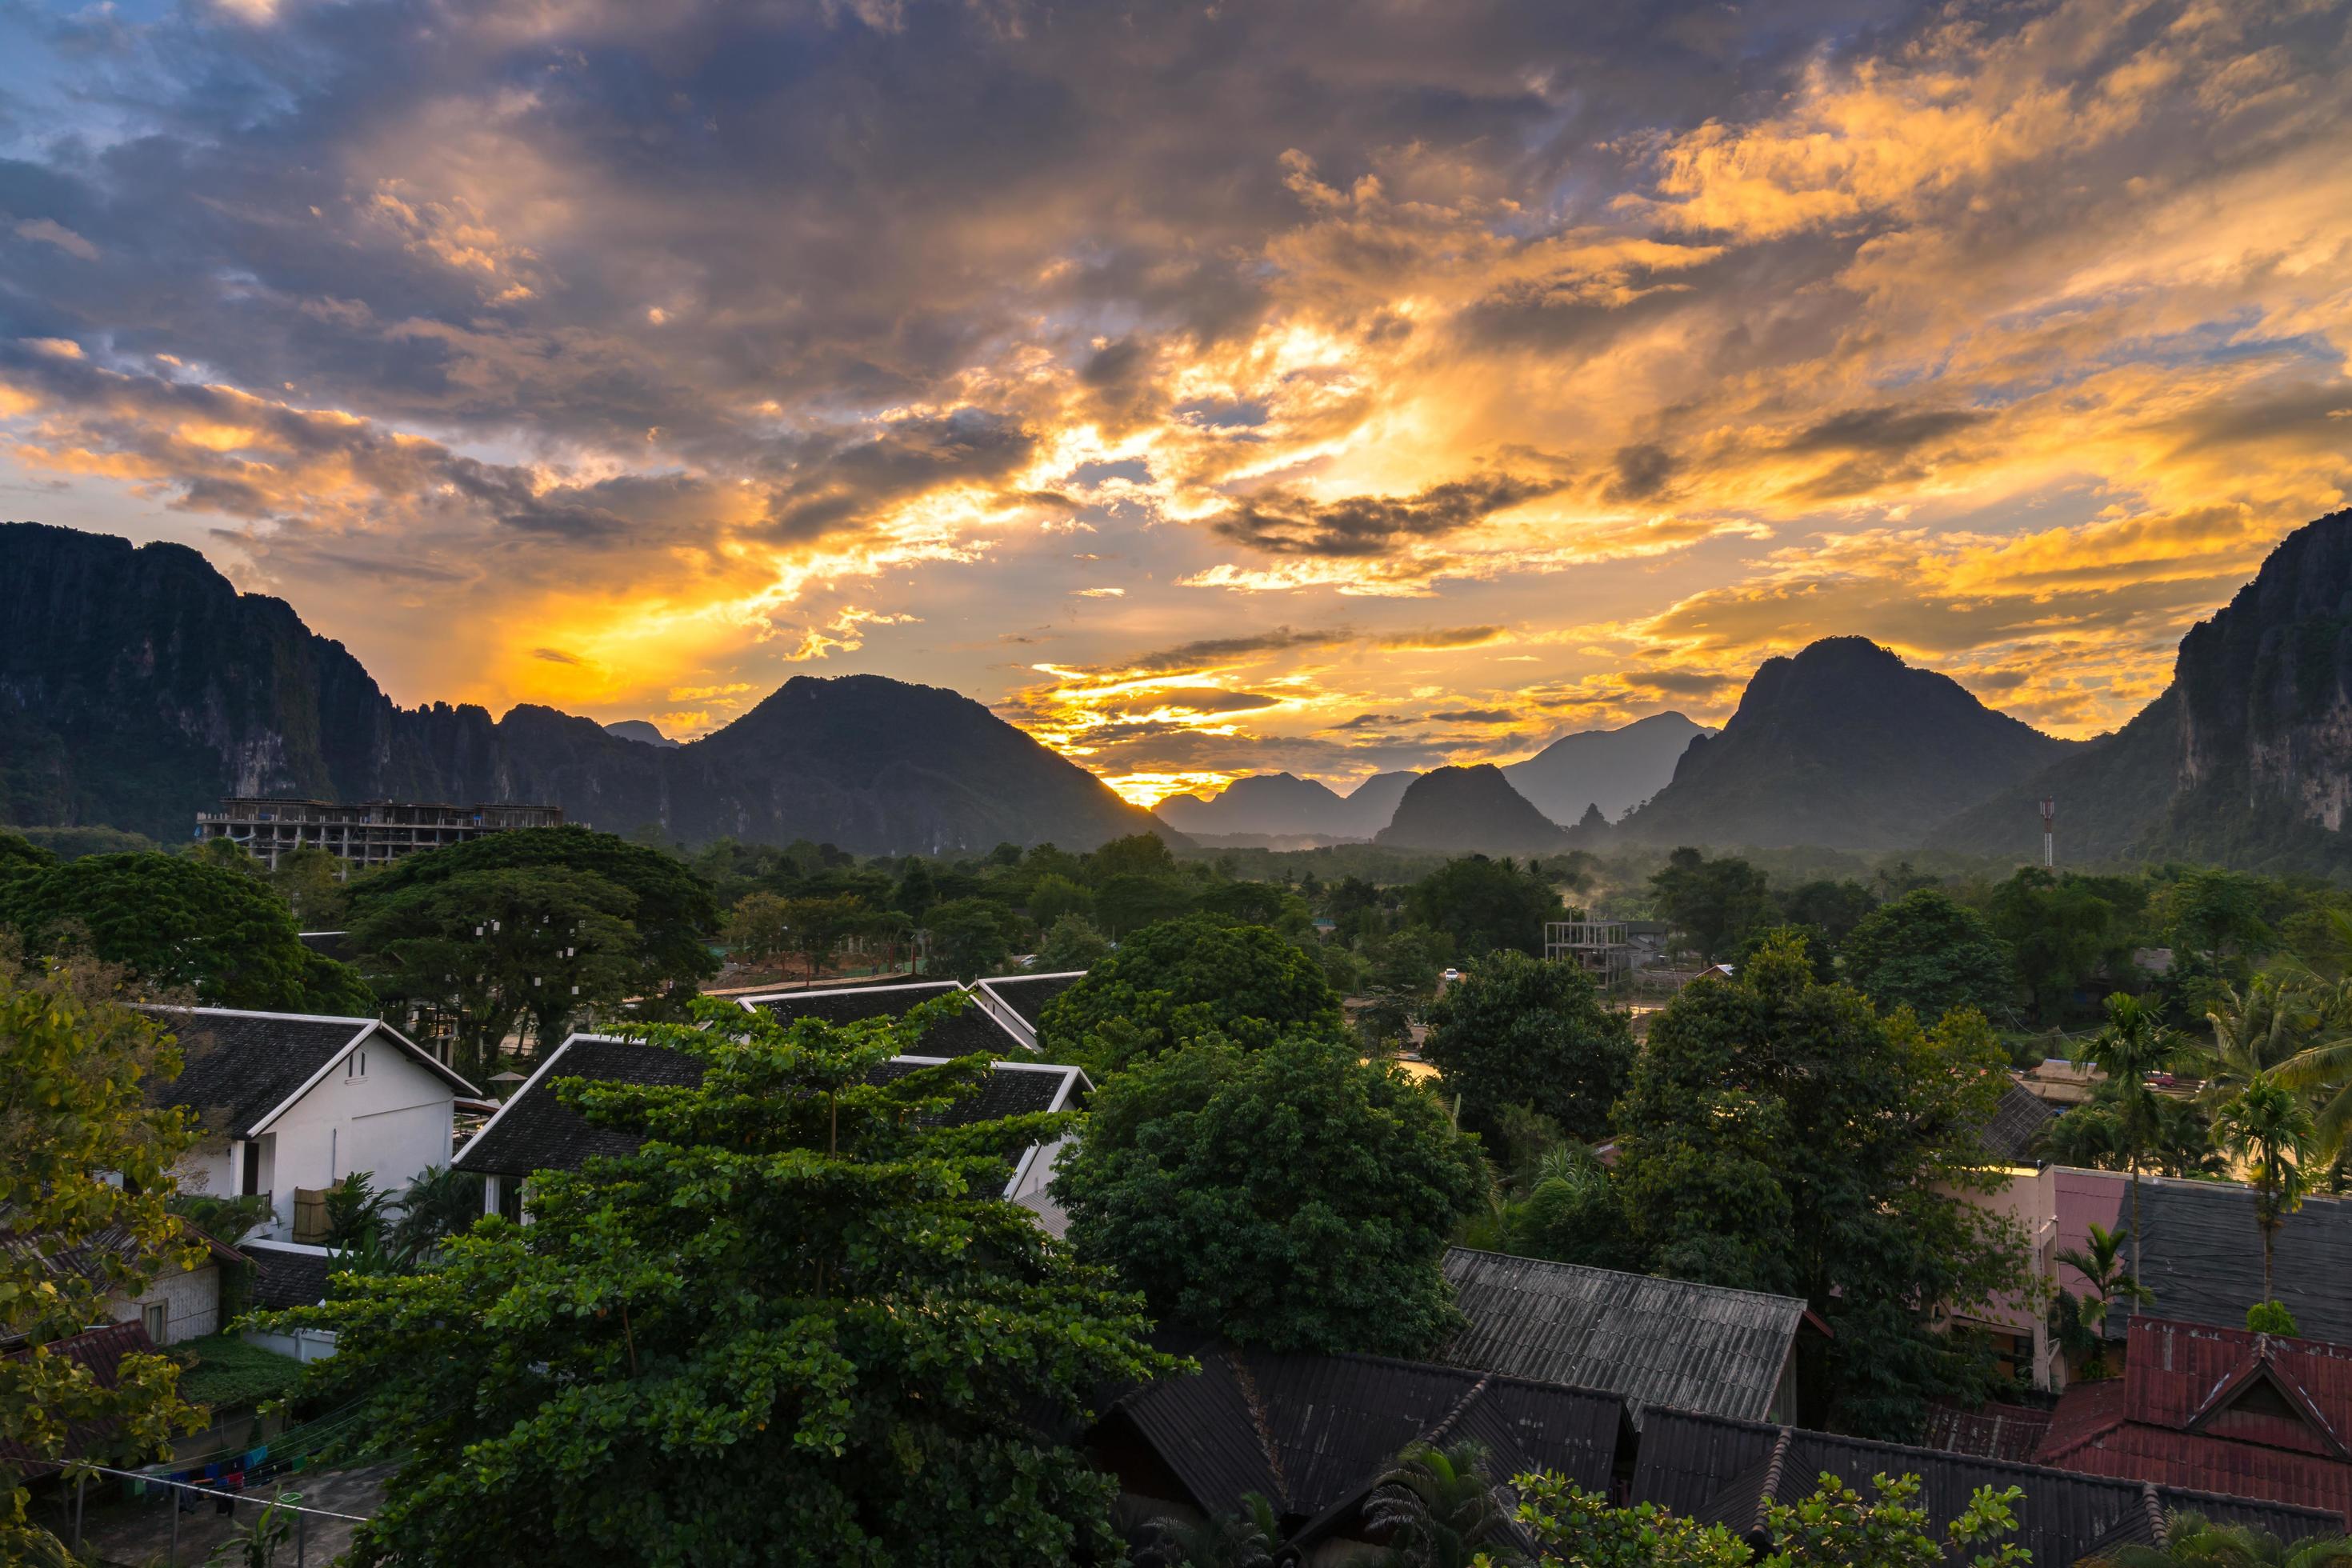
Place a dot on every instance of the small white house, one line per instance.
(295, 1102)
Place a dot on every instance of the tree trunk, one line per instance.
(2269, 1294)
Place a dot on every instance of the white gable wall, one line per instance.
(392, 1121)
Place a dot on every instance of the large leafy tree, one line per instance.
(497, 949)
(1529, 1031)
(1486, 906)
(1295, 1196)
(1782, 1135)
(798, 1325)
(1183, 979)
(1715, 903)
(1926, 953)
(970, 937)
(2060, 933)
(673, 910)
(75, 1070)
(180, 922)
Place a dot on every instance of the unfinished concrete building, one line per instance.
(363, 833)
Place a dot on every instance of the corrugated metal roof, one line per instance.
(1709, 1466)
(2014, 1133)
(2203, 1257)
(1656, 1341)
(2219, 1410)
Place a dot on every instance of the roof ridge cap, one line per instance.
(1261, 1424)
(1769, 1493)
(1436, 1434)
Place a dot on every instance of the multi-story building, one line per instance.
(363, 833)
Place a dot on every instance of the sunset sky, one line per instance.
(1212, 388)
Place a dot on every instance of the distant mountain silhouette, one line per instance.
(1613, 769)
(1470, 811)
(137, 687)
(1843, 746)
(640, 730)
(2246, 758)
(1283, 805)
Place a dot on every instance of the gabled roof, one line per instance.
(2203, 1257)
(1313, 1434)
(1656, 1341)
(535, 1131)
(2014, 1133)
(246, 1069)
(287, 1275)
(2219, 1408)
(86, 1257)
(1023, 997)
(971, 1032)
(1725, 1471)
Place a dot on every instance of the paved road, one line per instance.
(138, 1534)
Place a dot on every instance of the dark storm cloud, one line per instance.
(1281, 523)
(1891, 429)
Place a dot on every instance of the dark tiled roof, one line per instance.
(1723, 1471)
(2203, 1259)
(1312, 1434)
(1656, 1341)
(101, 1351)
(1027, 995)
(970, 1032)
(242, 1066)
(87, 1258)
(536, 1131)
(2217, 1409)
(2014, 1133)
(283, 1277)
(1013, 1088)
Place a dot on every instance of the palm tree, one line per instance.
(1435, 1507)
(2192, 1541)
(2268, 1127)
(2131, 1048)
(2324, 1067)
(1244, 1538)
(2259, 1029)
(2103, 1267)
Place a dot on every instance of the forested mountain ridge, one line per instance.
(138, 686)
(1843, 746)
(2244, 760)
(1615, 769)
(1473, 810)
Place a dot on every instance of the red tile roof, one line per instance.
(2219, 1409)
(101, 1351)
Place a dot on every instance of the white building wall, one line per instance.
(191, 1303)
(206, 1170)
(392, 1121)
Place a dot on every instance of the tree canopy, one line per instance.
(491, 949)
(1486, 906)
(1781, 1135)
(798, 1325)
(1181, 980)
(180, 921)
(673, 910)
(1714, 902)
(75, 1070)
(1294, 1196)
(1529, 1031)
(1928, 953)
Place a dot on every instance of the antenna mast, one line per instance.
(2049, 837)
